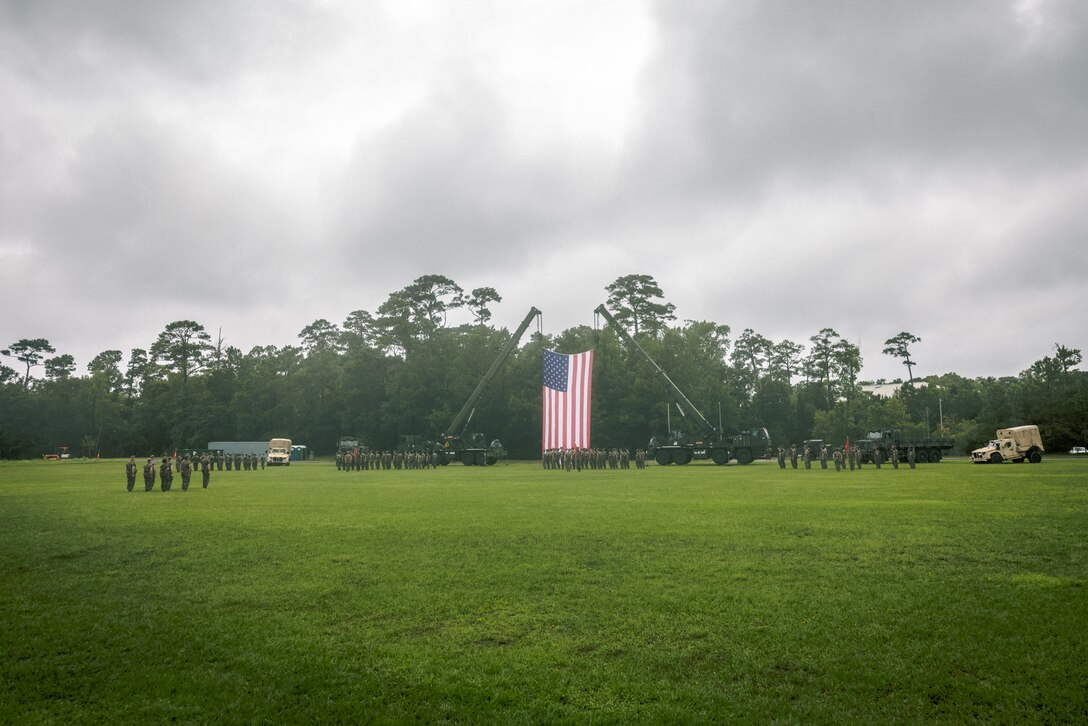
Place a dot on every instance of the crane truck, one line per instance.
(472, 449)
(707, 442)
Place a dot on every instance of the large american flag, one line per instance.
(568, 385)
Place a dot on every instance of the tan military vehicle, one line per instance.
(279, 452)
(1017, 444)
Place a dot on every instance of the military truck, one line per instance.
(707, 441)
(279, 452)
(925, 450)
(454, 444)
(1017, 444)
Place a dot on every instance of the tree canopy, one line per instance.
(405, 370)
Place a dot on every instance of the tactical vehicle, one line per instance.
(1017, 444)
(279, 452)
(929, 450)
(707, 441)
(62, 453)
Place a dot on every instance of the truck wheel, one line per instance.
(681, 456)
(663, 457)
(468, 458)
(922, 456)
(1035, 457)
(995, 458)
(744, 456)
(934, 455)
(720, 456)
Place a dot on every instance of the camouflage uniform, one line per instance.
(166, 475)
(206, 469)
(185, 468)
(130, 472)
(149, 475)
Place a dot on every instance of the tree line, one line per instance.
(405, 369)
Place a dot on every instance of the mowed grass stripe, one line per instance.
(513, 594)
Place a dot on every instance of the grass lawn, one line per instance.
(953, 592)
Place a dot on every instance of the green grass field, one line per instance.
(953, 593)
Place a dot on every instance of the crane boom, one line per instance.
(686, 406)
(460, 421)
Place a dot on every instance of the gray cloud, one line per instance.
(447, 187)
(747, 93)
(870, 168)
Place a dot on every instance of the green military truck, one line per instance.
(706, 441)
(925, 449)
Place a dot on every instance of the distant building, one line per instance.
(887, 390)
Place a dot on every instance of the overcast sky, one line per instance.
(255, 165)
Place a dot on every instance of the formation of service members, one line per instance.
(239, 462)
(842, 458)
(364, 460)
(186, 467)
(579, 459)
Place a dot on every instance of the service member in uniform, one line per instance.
(185, 468)
(206, 469)
(166, 474)
(130, 472)
(149, 475)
